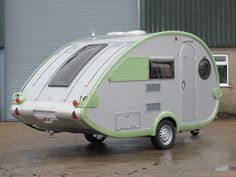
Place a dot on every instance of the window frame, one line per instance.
(220, 63)
(159, 59)
(204, 77)
(53, 81)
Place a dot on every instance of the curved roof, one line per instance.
(114, 37)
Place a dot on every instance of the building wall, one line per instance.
(228, 103)
(214, 21)
(35, 29)
(1, 24)
(2, 85)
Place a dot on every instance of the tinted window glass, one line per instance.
(73, 65)
(222, 69)
(204, 69)
(222, 65)
(159, 69)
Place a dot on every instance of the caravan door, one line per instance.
(188, 83)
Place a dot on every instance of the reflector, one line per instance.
(17, 100)
(17, 112)
(75, 103)
(73, 116)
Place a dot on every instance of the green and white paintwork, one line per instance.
(111, 88)
(132, 69)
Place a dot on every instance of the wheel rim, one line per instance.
(98, 137)
(196, 131)
(165, 134)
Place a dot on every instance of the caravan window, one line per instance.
(204, 69)
(74, 64)
(161, 69)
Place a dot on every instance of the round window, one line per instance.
(204, 69)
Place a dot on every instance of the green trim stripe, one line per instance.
(88, 101)
(160, 117)
(148, 132)
(107, 132)
(132, 69)
(200, 124)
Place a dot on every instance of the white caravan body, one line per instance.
(123, 85)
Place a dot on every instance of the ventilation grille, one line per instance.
(153, 106)
(153, 87)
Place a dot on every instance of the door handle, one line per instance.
(183, 84)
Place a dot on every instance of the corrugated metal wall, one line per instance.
(1, 24)
(34, 29)
(212, 20)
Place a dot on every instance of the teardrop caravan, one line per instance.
(126, 85)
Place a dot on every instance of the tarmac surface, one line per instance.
(25, 152)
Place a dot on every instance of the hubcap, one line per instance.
(98, 137)
(165, 134)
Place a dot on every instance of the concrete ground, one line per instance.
(26, 152)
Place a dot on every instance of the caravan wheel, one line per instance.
(165, 135)
(95, 139)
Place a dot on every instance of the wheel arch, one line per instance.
(166, 115)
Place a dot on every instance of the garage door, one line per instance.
(34, 29)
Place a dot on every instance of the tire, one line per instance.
(195, 132)
(94, 139)
(165, 135)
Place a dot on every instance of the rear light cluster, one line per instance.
(74, 116)
(17, 112)
(75, 103)
(18, 98)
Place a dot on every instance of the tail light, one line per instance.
(17, 100)
(74, 116)
(75, 103)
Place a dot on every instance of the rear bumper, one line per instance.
(56, 116)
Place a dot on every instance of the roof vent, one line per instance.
(117, 33)
(127, 33)
(135, 32)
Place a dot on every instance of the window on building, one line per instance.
(74, 64)
(223, 68)
(161, 69)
